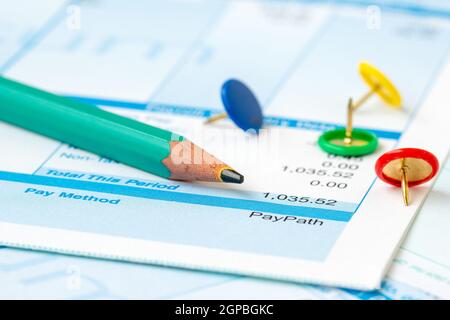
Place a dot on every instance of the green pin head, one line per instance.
(363, 142)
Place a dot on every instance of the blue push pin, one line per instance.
(241, 106)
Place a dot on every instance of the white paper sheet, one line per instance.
(302, 215)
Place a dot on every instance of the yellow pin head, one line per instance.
(380, 84)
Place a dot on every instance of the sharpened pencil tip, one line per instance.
(231, 176)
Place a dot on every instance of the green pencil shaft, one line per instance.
(87, 127)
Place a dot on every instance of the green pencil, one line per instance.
(131, 142)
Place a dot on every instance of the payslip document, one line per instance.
(301, 215)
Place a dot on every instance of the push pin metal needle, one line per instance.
(366, 96)
(353, 142)
(241, 106)
(348, 141)
(405, 189)
(217, 117)
(348, 130)
(405, 168)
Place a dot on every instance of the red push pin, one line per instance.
(407, 167)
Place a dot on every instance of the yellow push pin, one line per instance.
(354, 142)
(379, 84)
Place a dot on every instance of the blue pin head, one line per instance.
(241, 105)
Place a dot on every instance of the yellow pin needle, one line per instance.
(366, 97)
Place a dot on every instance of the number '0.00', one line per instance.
(329, 184)
(341, 165)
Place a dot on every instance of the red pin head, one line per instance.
(407, 167)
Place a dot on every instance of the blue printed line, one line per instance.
(190, 51)
(37, 37)
(413, 9)
(367, 295)
(24, 264)
(365, 195)
(48, 158)
(435, 76)
(110, 103)
(200, 288)
(426, 258)
(206, 200)
(205, 113)
(43, 277)
(301, 57)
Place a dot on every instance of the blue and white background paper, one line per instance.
(44, 37)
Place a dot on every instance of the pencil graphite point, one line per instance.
(231, 176)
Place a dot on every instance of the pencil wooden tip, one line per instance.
(189, 162)
(231, 176)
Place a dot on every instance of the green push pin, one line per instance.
(354, 142)
(348, 141)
